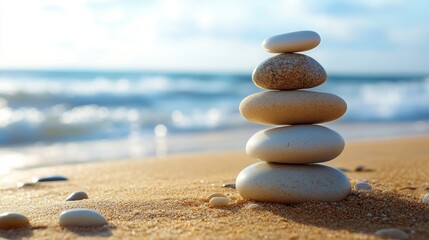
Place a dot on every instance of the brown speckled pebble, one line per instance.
(289, 71)
(292, 107)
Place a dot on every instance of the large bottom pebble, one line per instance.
(81, 217)
(284, 183)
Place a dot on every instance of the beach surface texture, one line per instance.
(165, 198)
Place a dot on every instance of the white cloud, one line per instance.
(113, 15)
(379, 4)
(415, 36)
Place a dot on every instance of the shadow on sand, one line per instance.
(361, 213)
(101, 231)
(20, 233)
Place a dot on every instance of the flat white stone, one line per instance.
(292, 107)
(291, 42)
(13, 220)
(295, 144)
(81, 217)
(285, 183)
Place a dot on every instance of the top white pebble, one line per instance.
(291, 42)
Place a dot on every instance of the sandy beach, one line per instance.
(164, 198)
(214, 120)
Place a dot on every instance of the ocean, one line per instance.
(52, 117)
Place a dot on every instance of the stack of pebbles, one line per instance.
(289, 171)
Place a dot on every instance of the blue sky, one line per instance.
(365, 36)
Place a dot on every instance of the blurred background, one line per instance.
(88, 80)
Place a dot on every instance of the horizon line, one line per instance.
(196, 72)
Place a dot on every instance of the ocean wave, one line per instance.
(71, 106)
(59, 123)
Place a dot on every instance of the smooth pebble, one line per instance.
(229, 185)
(50, 179)
(362, 186)
(81, 217)
(77, 196)
(214, 195)
(359, 168)
(253, 206)
(295, 144)
(291, 42)
(292, 107)
(289, 71)
(425, 199)
(391, 233)
(286, 183)
(219, 201)
(13, 220)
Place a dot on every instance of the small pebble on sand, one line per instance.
(253, 206)
(392, 233)
(219, 201)
(362, 186)
(241, 201)
(81, 217)
(13, 220)
(425, 199)
(77, 196)
(360, 168)
(215, 195)
(229, 185)
(50, 179)
(25, 184)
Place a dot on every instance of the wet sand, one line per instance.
(164, 198)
